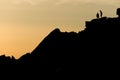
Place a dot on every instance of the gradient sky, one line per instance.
(25, 23)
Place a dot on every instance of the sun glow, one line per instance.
(25, 23)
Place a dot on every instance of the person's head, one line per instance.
(118, 12)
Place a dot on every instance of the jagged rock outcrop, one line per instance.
(91, 52)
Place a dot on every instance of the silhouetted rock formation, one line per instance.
(93, 52)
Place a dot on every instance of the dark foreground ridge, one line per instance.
(93, 52)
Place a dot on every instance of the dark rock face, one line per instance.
(93, 52)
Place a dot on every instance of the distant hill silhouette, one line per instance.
(93, 52)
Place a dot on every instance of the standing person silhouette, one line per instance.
(97, 15)
(118, 12)
(101, 13)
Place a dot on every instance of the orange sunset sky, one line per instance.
(25, 23)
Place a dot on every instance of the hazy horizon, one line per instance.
(25, 23)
